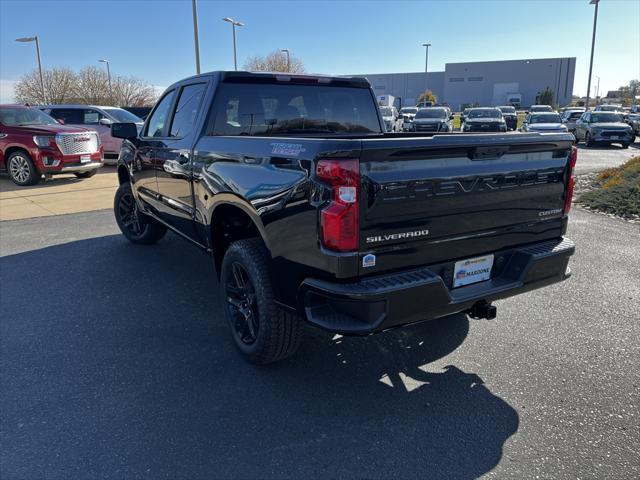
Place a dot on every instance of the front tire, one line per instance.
(134, 225)
(587, 140)
(262, 331)
(22, 170)
(625, 145)
(88, 174)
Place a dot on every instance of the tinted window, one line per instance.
(507, 109)
(431, 113)
(485, 113)
(121, 115)
(184, 118)
(552, 118)
(409, 110)
(155, 126)
(70, 116)
(266, 109)
(15, 117)
(605, 117)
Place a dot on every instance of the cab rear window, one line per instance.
(271, 109)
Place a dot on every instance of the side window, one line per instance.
(90, 117)
(70, 116)
(187, 108)
(156, 124)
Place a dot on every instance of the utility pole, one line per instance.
(593, 44)
(102, 60)
(426, 71)
(35, 39)
(194, 10)
(234, 24)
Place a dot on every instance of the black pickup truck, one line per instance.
(311, 212)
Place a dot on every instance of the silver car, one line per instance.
(603, 127)
(544, 122)
(570, 117)
(97, 118)
(392, 120)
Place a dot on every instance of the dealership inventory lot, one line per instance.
(95, 384)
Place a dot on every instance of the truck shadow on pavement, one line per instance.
(116, 363)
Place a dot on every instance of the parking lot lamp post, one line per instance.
(102, 60)
(284, 50)
(593, 44)
(597, 90)
(426, 71)
(234, 24)
(194, 11)
(35, 39)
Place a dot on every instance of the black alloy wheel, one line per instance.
(241, 303)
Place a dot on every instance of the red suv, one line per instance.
(33, 144)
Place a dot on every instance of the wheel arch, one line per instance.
(231, 220)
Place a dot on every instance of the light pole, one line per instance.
(194, 11)
(35, 39)
(234, 24)
(102, 60)
(597, 90)
(593, 44)
(284, 50)
(426, 70)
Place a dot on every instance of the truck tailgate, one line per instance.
(428, 200)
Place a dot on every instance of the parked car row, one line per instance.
(33, 145)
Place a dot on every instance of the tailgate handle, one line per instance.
(486, 153)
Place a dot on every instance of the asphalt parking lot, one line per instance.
(116, 364)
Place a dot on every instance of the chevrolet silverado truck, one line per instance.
(33, 145)
(312, 212)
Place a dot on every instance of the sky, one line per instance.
(153, 39)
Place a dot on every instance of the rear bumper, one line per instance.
(381, 302)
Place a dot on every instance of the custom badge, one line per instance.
(369, 260)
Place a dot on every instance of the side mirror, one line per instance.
(106, 122)
(127, 131)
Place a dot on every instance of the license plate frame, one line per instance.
(85, 158)
(472, 270)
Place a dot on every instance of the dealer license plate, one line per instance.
(472, 270)
(85, 158)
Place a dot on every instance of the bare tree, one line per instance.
(59, 84)
(275, 61)
(133, 92)
(92, 86)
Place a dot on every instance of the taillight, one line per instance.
(570, 182)
(339, 220)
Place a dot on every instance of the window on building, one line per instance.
(475, 79)
(456, 79)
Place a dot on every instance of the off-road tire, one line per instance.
(134, 225)
(278, 331)
(21, 169)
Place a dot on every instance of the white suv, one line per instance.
(96, 118)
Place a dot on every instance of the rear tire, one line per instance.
(88, 174)
(262, 331)
(625, 145)
(134, 225)
(22, 170)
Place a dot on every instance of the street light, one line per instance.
(593, 44)
(234, 24)
(426, 69)
(284, 50)
(102, 60)
(194, 11)
(35, 39)
(597, 90)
